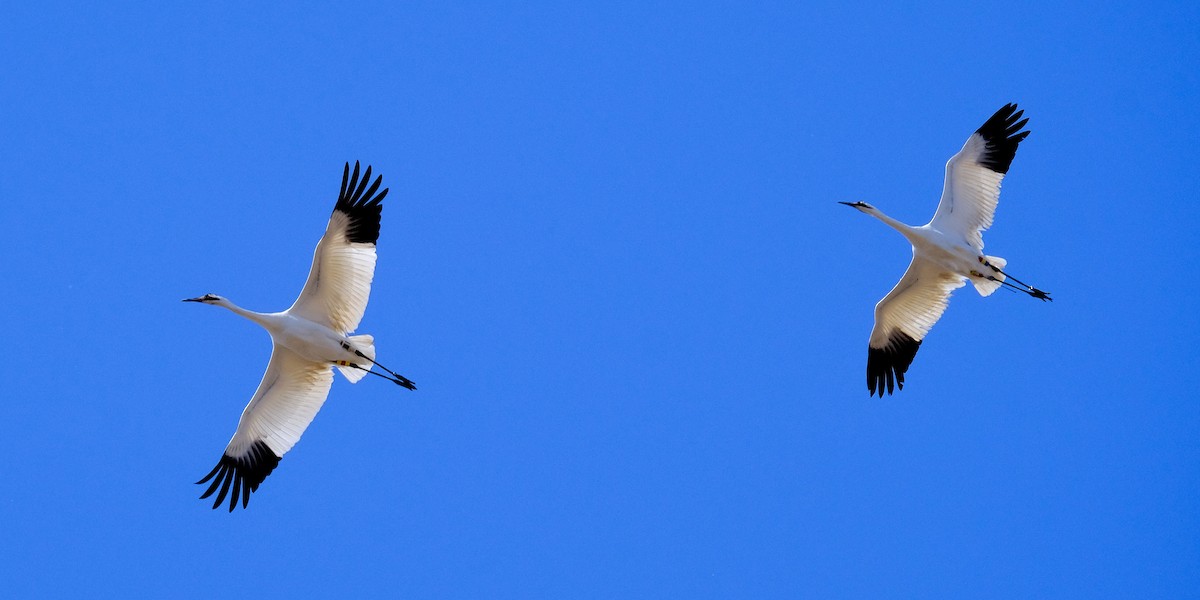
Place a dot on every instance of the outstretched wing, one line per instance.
(903, 318)
(339, 283)
(289, 396)
(972, 187)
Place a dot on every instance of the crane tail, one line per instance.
(986, 286)
(366, 344)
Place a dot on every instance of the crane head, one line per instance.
(862, 206)
(205, 299)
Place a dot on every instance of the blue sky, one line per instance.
(613, 262)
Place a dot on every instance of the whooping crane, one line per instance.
(947, 251)
(309, 340)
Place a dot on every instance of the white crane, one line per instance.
(309, 340)
(947, 251)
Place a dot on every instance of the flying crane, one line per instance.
(947, 251)
(310, 340)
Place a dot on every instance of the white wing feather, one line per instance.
(972, 187)
(291, 392)
(339, 282)
(916, 303)
(970, 194)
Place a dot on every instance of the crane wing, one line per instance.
(289, 396)
(972, 187)
(339, 283)
(903, 318)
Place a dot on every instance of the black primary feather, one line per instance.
(886, 366)
(360, 205)
(244, 473)
(1001, 133)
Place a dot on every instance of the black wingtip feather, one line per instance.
(361, 204)
(886, 366)
(362, 185)
(345, 178)
(244, 474)
(1002, 133)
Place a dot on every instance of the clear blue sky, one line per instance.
(613, 261)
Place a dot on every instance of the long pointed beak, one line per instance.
(193, 299)
(850, 204)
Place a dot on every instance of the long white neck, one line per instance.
(260, 318)
(906, 230)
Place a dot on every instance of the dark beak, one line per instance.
(200, 299)
(847, 203)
